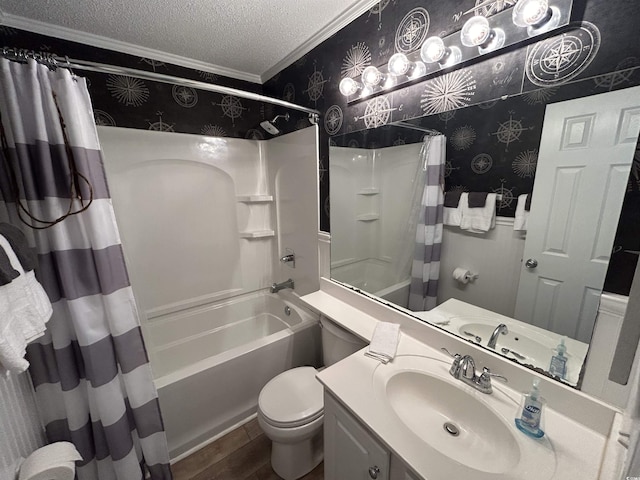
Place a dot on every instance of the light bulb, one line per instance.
(433, 50)
(530, 12)
(536, 15)
(399, 64)
(371, 76)
(348, 86)
(419, 70)
(475, 31)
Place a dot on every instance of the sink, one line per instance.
(464, 430)
(432, 408)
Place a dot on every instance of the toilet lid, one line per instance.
(292, 398)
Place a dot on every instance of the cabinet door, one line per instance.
(350, 451)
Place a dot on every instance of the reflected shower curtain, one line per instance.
(91, 373)
(425, 270)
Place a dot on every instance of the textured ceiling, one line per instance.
(249, 36)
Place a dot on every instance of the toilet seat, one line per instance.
(292, 399)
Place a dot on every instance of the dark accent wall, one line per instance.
(599, 52)
(133, 103)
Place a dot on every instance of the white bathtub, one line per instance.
(211, 362)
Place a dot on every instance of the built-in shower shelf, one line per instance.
(369, 191)
(251, 234)
(368, 217)
(254, 198)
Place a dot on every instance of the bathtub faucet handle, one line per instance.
(289, 258)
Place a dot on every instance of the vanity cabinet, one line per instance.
(351, 452)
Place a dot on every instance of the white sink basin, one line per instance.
(434, 407)
(426, 404)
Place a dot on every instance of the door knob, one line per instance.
(373, 472)
(531, 263)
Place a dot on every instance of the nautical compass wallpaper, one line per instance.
(133, 103)
(492, 143)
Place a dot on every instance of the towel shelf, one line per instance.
(254, 198)
(253, 234)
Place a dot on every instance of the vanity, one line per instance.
(411, 419)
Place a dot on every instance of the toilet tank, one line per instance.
(337, 343)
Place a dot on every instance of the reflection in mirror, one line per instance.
(542, 280)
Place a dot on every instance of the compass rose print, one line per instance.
(623, 72)
(449, 168)
(208, 76)
(254, 134)
(128, 90)
(333, 119)
(358, 58)
(448, 92)
(481, 163)
(463, 138)
(507, 195)
(510, 131)
(564, 57)
(185, 96)
(154, 63)
(542, 95)
(486, 8)
(412, 31)
(377, 112)
(315, 87)
(103, 119)
(525, 164)
(446, 116)
(289, 92)
(231, 107)
(211, 130)
(321, 169)
(160, 126)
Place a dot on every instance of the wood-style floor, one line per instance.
(243, 454)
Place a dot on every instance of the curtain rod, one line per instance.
(411, 126)
(54, 61)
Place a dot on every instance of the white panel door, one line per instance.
(585, 156)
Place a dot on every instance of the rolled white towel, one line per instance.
(522, 216)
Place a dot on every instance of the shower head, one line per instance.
(269, 125)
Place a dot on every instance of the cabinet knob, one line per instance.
(374, 471)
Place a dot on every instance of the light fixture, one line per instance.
(536, 15)
(476, 32)
(348, 86)
(371, 76)
(479, 35)
(434, 50)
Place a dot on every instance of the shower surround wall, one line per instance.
(204, 221)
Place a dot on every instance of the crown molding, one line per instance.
(65, 33)
(344, 19)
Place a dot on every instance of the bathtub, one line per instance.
(211, 362)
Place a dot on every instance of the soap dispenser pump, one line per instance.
(558, 366)
(531, 408)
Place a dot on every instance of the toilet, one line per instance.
(291, 407)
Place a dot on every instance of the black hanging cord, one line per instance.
(75, 177)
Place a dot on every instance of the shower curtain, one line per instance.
(425, 270)
(91, 372)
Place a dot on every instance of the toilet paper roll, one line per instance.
(52, 462)
(461, 275)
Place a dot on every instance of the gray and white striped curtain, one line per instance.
(91, 372)
(425, 270)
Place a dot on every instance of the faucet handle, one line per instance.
(455, 366)
(452, 355)
(487, 375)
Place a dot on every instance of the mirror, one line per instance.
(499, 147)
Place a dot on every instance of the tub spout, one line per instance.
(276, 287)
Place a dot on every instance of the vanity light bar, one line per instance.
(479, 36)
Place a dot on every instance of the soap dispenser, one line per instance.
(531, 412)
(558, 366)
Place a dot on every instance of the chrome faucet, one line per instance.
(288, 258)
(500, 329)
(276, 287)
(464, 368)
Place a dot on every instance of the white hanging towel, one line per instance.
(480, 219)
(522, 216)
(24, 311)
(453, 215)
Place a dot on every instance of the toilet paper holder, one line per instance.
(464, 276)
